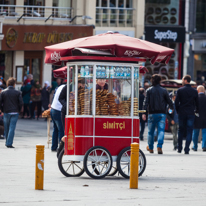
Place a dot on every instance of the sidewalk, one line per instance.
(169, 179)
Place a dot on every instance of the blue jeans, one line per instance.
(58, 131)
(153, 121)
(186, 122)
(10, 121)
(195, 138)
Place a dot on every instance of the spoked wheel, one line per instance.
(97, 162)
(70, 168)
(113, 170)
(123, 162)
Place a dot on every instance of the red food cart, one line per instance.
(102, 117)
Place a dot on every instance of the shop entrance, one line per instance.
(33, 64)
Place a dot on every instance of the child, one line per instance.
(173, 120)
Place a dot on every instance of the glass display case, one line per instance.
(103, 89)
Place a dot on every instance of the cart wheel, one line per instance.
(70, 168)
(123, 162)
(113, 170)
(97, 162)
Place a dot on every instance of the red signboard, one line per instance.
(113, 127)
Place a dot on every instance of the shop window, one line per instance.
(62, 8)
(114, 13)
(34, 2)
(8, 2)
(167, 71)
(6, 64)
(200, 68)
(8, 10)
(162, 12)
(201, 16)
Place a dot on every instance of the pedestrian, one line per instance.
(2, 82)
(11, 103)
(173, 120)
(30, 77)
(58, 129)
(142, 122)
(26, 92)
(155, 104)
(1, 121)
(45, 95)
(186, 104)
(200, 122)
(35, 99)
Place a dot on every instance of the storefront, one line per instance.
(23, 48)
(199, 51)
(164, 25)
(172, 37)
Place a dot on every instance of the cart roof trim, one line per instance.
(100, 58)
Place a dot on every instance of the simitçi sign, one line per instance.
(165, 34)
(36, 37)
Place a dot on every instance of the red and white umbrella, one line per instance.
(115, 44)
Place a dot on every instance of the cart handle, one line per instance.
(142, 111)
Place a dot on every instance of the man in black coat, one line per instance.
(155, 103)
(186, 104)
(11, 103)
(200, 122)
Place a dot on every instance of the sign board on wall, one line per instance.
(35, 37)
(165, 34)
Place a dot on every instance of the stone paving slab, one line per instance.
(169, 179)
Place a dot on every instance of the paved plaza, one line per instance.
(169, 179)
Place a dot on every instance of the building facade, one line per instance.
(197, 30)
(164, 25)
(30, 25)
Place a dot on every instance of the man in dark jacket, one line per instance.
(200, 122)
(142, 122)
(155, 103)
(186, 103)
(11, 103)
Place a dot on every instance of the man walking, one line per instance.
(200, 122)
(185, 103)
(11, 103)
(155, 103)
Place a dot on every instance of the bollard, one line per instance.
(134, 165)
(39, 171)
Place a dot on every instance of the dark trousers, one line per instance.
(58, 131)
(142, 127)
(26, 110)
(63, 119)
(186, 123)
(38, 105)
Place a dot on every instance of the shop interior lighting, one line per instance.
(83, 17)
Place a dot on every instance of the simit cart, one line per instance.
(102, 116)
(102, 101)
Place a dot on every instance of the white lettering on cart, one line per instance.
(114, 125)
(55, 56)
(131, 53)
